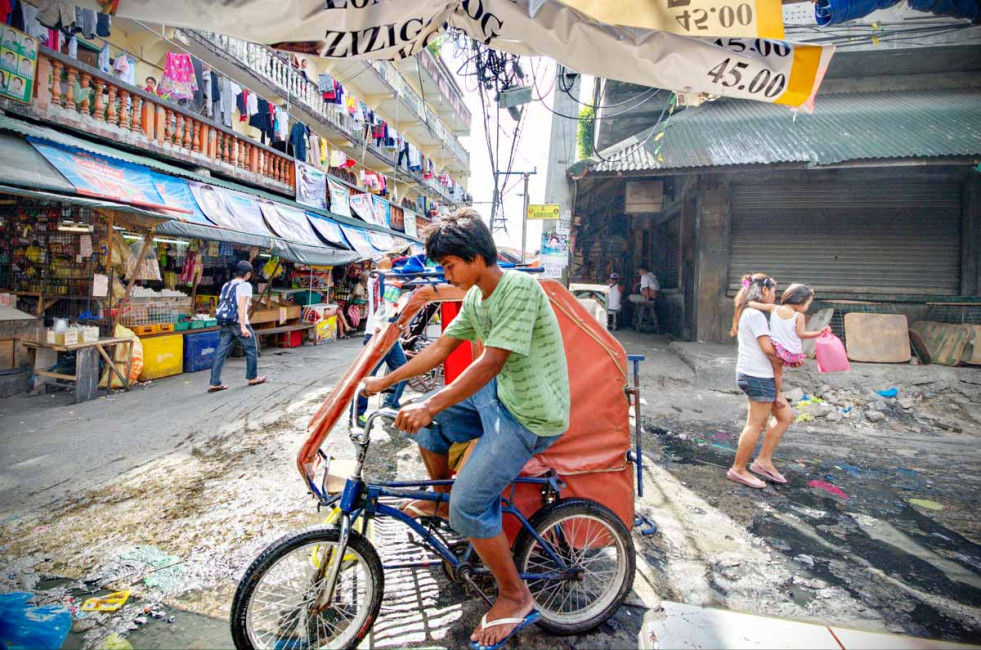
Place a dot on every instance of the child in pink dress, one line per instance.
(787, 323)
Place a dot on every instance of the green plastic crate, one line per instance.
(182, 326)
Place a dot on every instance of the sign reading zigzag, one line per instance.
(718, 47)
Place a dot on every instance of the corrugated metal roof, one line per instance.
(45, 133)
(858, 126)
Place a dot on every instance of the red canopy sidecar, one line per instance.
(591, 457)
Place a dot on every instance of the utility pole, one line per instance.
(524, 214)
(562, 151)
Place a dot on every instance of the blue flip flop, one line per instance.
(533, 617)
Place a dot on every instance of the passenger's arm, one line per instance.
(477, 375)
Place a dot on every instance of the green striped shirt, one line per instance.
(534, 383)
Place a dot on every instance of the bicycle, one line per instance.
(323, 587)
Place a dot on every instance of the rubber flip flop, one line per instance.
(732, 476)
(419, 514)
(256, 382)
(532, 618)
(776, 477)
(215, 389)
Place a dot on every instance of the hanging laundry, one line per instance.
(197, 101)
(178, 80)
(123, 70)
(206, 91)
(282, 124)
(73, 47)
(25, 19)
(242, 104)
(103, 25)
(85, 22)
(323, 152)
(56, 14)
(298, 144)
(104, 64)
(325, 83)
(313, 151)
(262, 120)
(6, 11)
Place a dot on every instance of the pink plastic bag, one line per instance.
(830, 353)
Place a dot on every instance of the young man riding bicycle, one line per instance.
(514, 399)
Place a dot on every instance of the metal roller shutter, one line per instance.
(887, 236)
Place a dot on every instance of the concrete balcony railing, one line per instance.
(435, 69)
(81, 97)
(426, 115)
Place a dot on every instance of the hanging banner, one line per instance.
(364, 207)
(358, 239)
(311, 186)
(383, 211)
(328, 229)
(409, 223)
(177, 197)
(18, 64)
(382, 242)
(724, 52)
(288, 223)
(107, 178)
(228, 209)
(339, 203)
(748, 18)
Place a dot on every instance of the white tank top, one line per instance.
(784, 332)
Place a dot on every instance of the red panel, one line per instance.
(462, 357)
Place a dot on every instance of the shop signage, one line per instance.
(546, 211)
(311, 186)
(364, 207)
(94, 175)
(228, 209)
(18, 64)
(339, 198)
(553, 272)
(643, 197)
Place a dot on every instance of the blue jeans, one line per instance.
(504, 447)
(226, 339)
(394, 359)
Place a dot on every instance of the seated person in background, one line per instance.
(650, 288)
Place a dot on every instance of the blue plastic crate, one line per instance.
(199, 351)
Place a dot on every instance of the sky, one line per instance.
(531, 152)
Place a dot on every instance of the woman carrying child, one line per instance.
(787, 323)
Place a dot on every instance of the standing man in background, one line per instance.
(650, 288)
(233, 319)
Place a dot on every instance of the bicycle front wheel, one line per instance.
(275, 605)
(598, 553)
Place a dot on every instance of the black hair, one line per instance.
(796, 294)
(462, 234)
(242, 268)
(150, 78)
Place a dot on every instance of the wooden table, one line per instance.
(86, 377)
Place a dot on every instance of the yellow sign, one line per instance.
(746, 18)
(546, 211)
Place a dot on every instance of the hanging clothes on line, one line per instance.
(262, 120)
(85, 22)
(298, 141)
(178, 80)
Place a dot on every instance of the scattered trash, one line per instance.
(851, 469)
(23, 625)
(171, 619)
(42, 529)
(889, 392)
(805, 559)
(140, 620)
(115, 642)
(924, 503)
(109, 603)
(803, 417)
(829, 488)
(156, 613)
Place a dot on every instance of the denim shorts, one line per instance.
(758, 389)
(503, 448)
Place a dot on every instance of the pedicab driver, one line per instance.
(514, 399)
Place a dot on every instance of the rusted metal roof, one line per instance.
(846, 127)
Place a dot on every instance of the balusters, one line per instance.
(124, 108)
(168, 128)
(86, 102)
(111, 114)
(140, 123)
(70, 91)
(188, 128)
(161, 120)
(56, 67)
(196, 143)
(100, 108)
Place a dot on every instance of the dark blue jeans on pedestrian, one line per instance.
(394, 359)
(226, 339)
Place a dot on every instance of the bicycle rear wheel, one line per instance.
(274, 606)
(591, 540)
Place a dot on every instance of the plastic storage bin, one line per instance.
(163, 356)
(199, 351)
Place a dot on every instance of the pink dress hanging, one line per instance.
(178, 80)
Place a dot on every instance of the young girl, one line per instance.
(787, 326)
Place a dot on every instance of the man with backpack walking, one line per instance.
(233, 319)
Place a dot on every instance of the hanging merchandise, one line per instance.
(178, 80)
